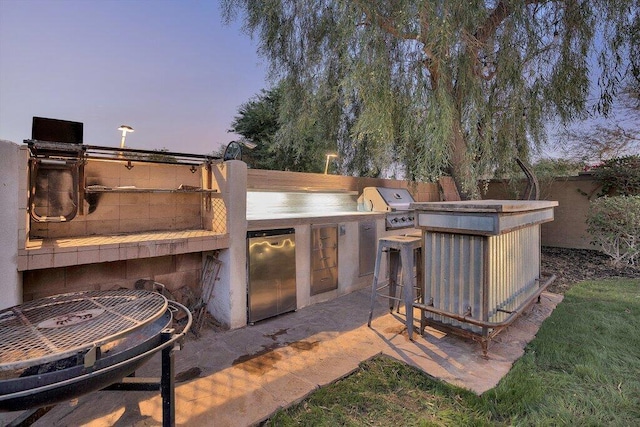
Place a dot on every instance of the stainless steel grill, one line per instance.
(53, 328)
(394, 201)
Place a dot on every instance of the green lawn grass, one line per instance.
(583, 368)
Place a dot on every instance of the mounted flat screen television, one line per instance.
(54, 130)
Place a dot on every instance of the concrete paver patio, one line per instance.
(248, 373)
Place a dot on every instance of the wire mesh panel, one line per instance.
(219, 222)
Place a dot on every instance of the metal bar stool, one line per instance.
(402, 252)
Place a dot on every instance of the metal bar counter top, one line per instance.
(481, 262)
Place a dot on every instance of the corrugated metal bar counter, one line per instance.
(481, 263)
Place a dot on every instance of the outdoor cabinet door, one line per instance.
(367, 245)
(272, 276)
(324, 258)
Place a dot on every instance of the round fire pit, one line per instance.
(60, 347)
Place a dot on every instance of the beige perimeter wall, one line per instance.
(573, 194)
(568, 230)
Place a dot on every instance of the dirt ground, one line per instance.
(575, 265)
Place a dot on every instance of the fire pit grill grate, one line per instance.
(53, 328)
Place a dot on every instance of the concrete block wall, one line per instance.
(573, 194)
(174, 271)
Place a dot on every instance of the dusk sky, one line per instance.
(170, 69)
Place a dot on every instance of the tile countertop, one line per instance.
(495, 206)
(64, 252)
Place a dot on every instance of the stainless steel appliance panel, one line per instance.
(324, 258)
(324, 280)
(367, 246)
(324, 237)
(394, 201)
(271, 273)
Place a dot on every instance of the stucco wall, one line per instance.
(277, 180)
(229, 304)
(10, 212)
(573, 194)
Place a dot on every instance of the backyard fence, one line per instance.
(573, 194)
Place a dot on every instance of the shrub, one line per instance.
(614, 223)
(553, 168)
(619, 176)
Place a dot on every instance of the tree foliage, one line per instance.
(614, 224)
(619, 176)
(436, 85)
(258, 121)
(554, 168)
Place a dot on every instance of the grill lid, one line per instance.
(56, 327)
(381, 199)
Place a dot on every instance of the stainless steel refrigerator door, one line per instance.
(272, 276)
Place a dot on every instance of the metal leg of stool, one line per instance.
(374, 285)
(407, 265)
(394, 266)
(400, 295)
(420, 286)
(417, 259)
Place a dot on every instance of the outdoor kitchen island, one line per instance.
(328, 249)
(481, 264)
(330, 242)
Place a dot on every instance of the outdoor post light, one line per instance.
(124, 129)
(326, 166)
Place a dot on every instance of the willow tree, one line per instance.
(439, 85)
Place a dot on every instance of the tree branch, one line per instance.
(385, 23)
(501, 12)
(497, 16)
